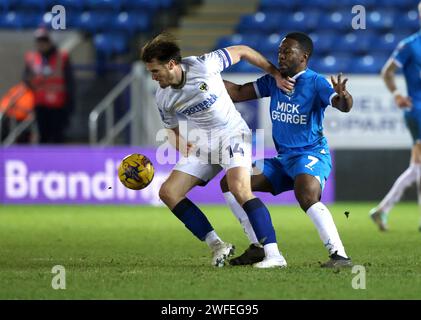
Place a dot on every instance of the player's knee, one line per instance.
(167, 194)
(307, 198)
(224, 184)
(241, 192)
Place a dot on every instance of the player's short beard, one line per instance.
(291, 71)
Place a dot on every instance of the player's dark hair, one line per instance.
(163, 48)
(304, 41)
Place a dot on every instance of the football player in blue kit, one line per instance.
(303, 162)
(408, 57)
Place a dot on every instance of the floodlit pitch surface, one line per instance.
(118, 252)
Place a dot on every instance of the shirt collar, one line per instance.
(299, 74)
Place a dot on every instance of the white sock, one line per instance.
(212, 239)
(405, 180)
(241, 215)
(322, 219)
(419, 187)
(271, 250)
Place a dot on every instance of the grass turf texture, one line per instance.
(116, 252)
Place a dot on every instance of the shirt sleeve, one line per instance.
(263, 86)
(169, 119)
(401, 54)
(216, 61)
(325, 91)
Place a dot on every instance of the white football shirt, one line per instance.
(203, 99)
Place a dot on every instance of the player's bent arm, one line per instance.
(343, 101)
(255, 58)
(388, 75)
(178, 141)
(239, 92)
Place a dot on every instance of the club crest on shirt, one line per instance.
(203, 87)
(290, 93)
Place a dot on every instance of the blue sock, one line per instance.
(260, 220)
(193, 218)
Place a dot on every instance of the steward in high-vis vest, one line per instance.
(48, 73)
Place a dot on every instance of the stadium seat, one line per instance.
(323, 41)
(382, 20)
(251, 40)
(111, 43)
(277, 5)
(408, 20)
(31, 20)
(336, 20)
(385, 43)
(112, 5)
(305, 21)
(93, 21)
(399, 4)
(368, 63)
(131, 22)
(359, 41)
(261, 22)
(332, 64)
(146, 5)
(11, 20)
(270, 43)
(39, 5)
(72, 5)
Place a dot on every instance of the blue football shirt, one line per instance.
(407, 56)
(297, 119)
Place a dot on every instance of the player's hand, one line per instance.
(403, 102)
(339, 85)
(285, 84)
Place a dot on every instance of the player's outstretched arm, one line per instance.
(388, 75)
(343, 100)
(239, 92)
(255, 58)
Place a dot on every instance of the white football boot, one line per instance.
(271, 262)
(220, 253)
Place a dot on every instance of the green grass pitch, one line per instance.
(118, 252)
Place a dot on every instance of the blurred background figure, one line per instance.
(408, 57)
(48, 73)
(17, 105)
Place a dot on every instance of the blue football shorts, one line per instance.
(413, 123)
(282, 169)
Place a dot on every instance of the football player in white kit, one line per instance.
(193, 87)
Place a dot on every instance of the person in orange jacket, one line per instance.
(48, 73)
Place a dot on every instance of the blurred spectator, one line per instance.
(48, 72)
(17, 105)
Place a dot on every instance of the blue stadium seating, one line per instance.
(368, 63)
(332, 64)
(360, 41)
(251, 40)
(381, 19)
(338, 45)
(261, 22)
(93, 21)
(131, 22)
(408, 20)
(323, 41)
(109, 43)
(339, 20)
(281, 5)
(73, 5)
(112, 5)
(385, 43)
